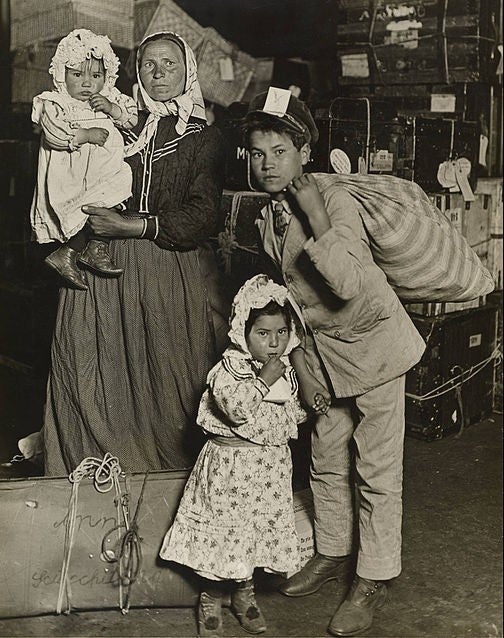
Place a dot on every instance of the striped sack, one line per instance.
(424, 257)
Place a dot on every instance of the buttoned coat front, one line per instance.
(360, 334)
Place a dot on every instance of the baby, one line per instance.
(81, 157)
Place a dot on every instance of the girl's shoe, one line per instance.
(209, 616)
(246, 609)
(96, 257)
(64, 261)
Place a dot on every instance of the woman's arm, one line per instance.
(197, 220)
(108, 222)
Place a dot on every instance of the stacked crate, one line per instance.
(417, 42)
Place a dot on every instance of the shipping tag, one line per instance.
(340, 161)
(226, 69)
(462, 172)
(361, 166)
(277, 101)
(483, 147)
(446, 175)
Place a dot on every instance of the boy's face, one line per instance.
(268, 336)
(275, 161)
(85, 80)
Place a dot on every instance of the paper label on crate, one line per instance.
(277, 101)
(355, 65)
(443, 103)
(403, 33)
(226, 69)
(381, 161)
(475, 340)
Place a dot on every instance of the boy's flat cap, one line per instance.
(297, 115)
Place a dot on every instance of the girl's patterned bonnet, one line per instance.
(257, 293)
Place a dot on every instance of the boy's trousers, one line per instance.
(369, 429)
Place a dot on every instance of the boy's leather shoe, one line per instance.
(64, 261)
(356, 612)
(96, 257)
(318, 570)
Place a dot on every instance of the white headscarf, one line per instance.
(189, 103)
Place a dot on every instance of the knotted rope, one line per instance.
(105, 474)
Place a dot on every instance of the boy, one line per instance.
(360, 344)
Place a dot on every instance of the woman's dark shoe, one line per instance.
(318, 570)
(246, 609)
(209, 616)
(64, 261)
(356, 612)
(95, 256)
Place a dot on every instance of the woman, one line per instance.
(130, 356)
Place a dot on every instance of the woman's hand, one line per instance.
(108, 222)
(305, 192)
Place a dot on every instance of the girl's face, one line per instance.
(275, 161)
(85, 80)
(162, 70)
(268, 336)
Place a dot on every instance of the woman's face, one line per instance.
(162, 70)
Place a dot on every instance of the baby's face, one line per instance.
(86, 79)
(268, 336)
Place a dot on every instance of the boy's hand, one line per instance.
(99, 102)
(97, 136)
(305, 191)
(272, 370)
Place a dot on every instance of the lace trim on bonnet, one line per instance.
(76, 47)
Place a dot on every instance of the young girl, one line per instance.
(81, 157)
(236, 512)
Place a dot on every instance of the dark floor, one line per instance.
(451, 584)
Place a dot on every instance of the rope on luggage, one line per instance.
(456, 383)
(105, 474)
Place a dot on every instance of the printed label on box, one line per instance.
(381, 161)
(355, 65)
(475, 340)
(443, 103)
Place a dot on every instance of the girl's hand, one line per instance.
(305, 192)
(97, 136)
(99, 102)
(107, 222)
(272, 370)
(314, 394)
(321, 405)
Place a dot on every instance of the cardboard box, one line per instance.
(303, 511)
